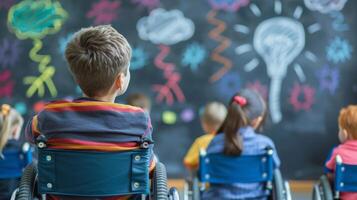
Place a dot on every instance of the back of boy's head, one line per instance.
(9, 120)
(348, 120)
(96, 55)
(214, 114)
(139, 100)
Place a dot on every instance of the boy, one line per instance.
(348, 148)
(98, 59)
(139, 100)
(212, 117)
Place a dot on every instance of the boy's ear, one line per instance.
(345, 133)
(119, 80)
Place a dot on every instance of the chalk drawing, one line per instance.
(224, 43)
(171, 88)
(6, 84)
(149, 4)
(187, 115)
(9, 52)
(139, 58)
(325, 6)
(228, 85)
(165, 27)
(302, 97)
(279, 41)
(193, 56)
(34, 20)
(329, 78)
(104, 11)
(63, 41)
(255, 10)
(339, 50)
(228, 5)
(258, 87)
(169, 117)
(339, 23)
(21, 107)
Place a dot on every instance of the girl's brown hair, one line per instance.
(10, 123)
(244, 107)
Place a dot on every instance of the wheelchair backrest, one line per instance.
(222, 169)
(91, 173)
(345, 176)
(13, 162)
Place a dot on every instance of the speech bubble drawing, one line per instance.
(165, 27)
(325, 6)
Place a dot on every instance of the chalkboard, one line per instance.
(298, 54)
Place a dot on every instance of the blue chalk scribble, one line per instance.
(329, 78)
(139, 58)
(228, 85)
(9, 52)
(63, 41)
(339, 50)
(339, 23)
(193, 56)
(21, 107)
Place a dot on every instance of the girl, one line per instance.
(237, 137)
(10, 128)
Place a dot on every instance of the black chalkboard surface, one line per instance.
(299, 54)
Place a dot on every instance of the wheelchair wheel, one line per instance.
(326, 188)
(278, 186)
(27, 185)
(160, 191)
(316, 195)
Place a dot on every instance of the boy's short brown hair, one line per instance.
(139, 100)
(96, 55)
(348, 120)
(214, 114)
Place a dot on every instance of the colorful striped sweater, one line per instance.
(87, 124)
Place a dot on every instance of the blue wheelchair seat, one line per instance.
(13, 162)
(345, 176)
(222, 169)
(91, 173)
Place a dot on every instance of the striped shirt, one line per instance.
(87, 124)
(253, 144)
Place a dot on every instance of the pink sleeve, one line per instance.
(331, 164)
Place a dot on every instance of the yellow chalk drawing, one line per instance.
(34, 20)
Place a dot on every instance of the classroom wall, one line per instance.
(298, 54)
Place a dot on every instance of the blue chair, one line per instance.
(345, 181)
(222, 169)
(93, 174)
(13, 161)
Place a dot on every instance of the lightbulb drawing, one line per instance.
(278, 40)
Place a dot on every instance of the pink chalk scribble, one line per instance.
(171, 88)
(104, 11)
(302, 97)
(258, 87)
(228, 5)
(6, 84)
(149, 4)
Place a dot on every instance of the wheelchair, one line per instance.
(345, 181)
(222, 169)
(93, 174)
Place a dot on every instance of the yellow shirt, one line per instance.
(192, 157)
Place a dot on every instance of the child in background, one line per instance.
(237, 137)
(98, 58)
(10, 124)
(347, 134)
(212, 117)
(139, 100)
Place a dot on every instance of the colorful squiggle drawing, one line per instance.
(215, 34)
(6, 84)
(104, 11)
(329, 78)
(307, 93)
(258, 87)
(9, 52)
(193, 56)
(34, 20)
(63, 41)
(139, 58)
(339, 50)
(228, 5)
(149, 4)
(171, 87)
(228, 85)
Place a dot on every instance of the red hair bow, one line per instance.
(240, 100)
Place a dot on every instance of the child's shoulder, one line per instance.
(264, 139)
